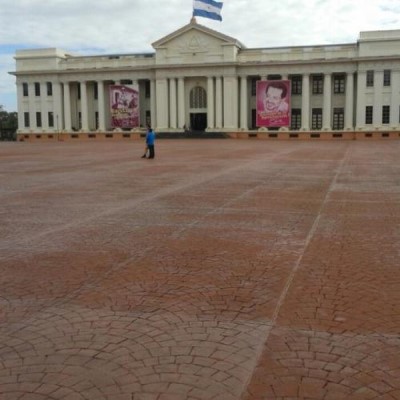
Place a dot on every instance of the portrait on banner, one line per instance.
(124, 104)
(273, 103)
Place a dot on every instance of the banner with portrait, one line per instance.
(273, 103)
(124, 104)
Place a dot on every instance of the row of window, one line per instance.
(50, 119)
(338, 117)
(49, 89)
(317, 83)
(369, 114)
(316, 118)
(387, 77)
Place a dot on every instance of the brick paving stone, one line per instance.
(225, 270)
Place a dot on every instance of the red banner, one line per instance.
(124, 102)
(273, 103)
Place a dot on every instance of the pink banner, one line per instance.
(273, 103)
(124, 102)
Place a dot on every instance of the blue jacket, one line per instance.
(150, 137)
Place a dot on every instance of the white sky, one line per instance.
(130, 26)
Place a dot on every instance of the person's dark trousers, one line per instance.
(151, 150)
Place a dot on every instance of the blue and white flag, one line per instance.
(207, 9)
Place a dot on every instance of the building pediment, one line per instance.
(195, 43)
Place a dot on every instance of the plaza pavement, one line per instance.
(221, 270)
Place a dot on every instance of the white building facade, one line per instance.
(202, 80)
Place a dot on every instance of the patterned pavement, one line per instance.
(221, 270)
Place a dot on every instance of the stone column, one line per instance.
(181, 103)
(210, 103)
(395, 101)
(243, 103)
(20, 108)
(361, 88)
(84, 107)
(378, 99)
(153, 106)
(305, 103)
(67, 107)
(348, 113)
(162, 103)
(43, 107)
(58, 108)
(172, 103)
(230, 102)
(327, 107)
(218, 102)
(101, 106)
(32, 106)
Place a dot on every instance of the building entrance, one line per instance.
(198, 121)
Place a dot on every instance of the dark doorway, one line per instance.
(198, 121)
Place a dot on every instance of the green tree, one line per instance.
(8, 124)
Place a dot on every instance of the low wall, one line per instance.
(251, 135)
(77, 136)
(315, 135)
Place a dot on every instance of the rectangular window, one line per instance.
(80, 120)
(274, 77)
(370, 78)
(297, 84)
(386, 77)
(339, 84)
(316, 120)
(79, 91)
(148, 118)
(96, 119)
(318, 84)
(253, 119)
(96, 91)
(49, 87)
(26, 120)
(147, 89)
(385, 114)
(50, 117)
(369, 110)
(25, 89)
(254, 86)
(37, 89)
(295, 123)
(39, 119)
(338, 119)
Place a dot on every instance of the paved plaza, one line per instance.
(220, 270)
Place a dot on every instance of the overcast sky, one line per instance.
(130, 26)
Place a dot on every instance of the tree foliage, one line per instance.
(8, 123)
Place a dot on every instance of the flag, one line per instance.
(207, 9)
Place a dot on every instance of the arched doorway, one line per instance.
(198, 109)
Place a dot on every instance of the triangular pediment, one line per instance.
(195, 43)
(194, 28)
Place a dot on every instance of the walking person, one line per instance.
(150, 139)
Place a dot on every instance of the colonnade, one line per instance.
(228, 107)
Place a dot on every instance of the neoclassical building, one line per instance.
(202, 80)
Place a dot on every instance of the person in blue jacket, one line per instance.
(150, 139)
